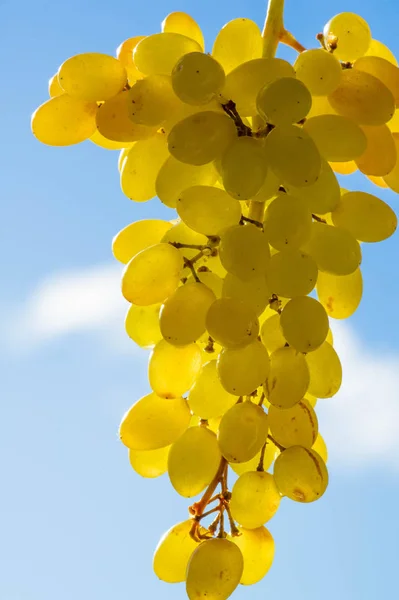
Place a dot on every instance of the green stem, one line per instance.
(274, 26)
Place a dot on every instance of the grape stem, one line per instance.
(248, 220)
(279, 446)
(319, 219)
(262, 458)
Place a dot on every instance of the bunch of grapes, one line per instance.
(234, 296)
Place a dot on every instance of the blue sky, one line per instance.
(76, 522)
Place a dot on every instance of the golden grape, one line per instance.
(254, 499)
(288, 378)
(173, 370)
(304, 322)
(242, 432)
(243, 370)
(301, 474)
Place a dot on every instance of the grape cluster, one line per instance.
(234, 296)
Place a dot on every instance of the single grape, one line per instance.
(338, 138)
(304, 322)
(243, 370)
(142, 325)
(242, 432)
(301, 474)
(181, 22)
(138, 236)
(208, 210)
(214, 570)
(173, 553)
(365, 216)
(257, 547)
(149, 463)
(244, 168)
(237, 42)
(295, 426)
(334, 249)
(157, 54)
(292, 273)
(173, 370)
(284, 101)
(319, 70)
(288, 378)
(244, 251)
(143, 425)
(254, 499)
(325, 371)
(232, 323)
(193, 461)
(340, 295)
(348, 35)
(92, 76)
(380, 156)
(152, 275)
(197, 78)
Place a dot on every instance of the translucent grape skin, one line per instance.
(242, 432)
(173, 552)
(301, 474)
(197, 78)
(254, 499)
(257, 547)
(243, 370)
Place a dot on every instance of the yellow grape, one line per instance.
(244, 168)
(304, 322)
(340, 295)
(173, 370)
(377, 48)
(208, 209)
(288, 222)
(113, 121)
(211, 280)
(321, 106)
(377, 181)
(325, 371)
(201, 137)
(288, 378)
(383, 70)
(173, 553)
(181, 22)
(182, 316)
(232, 323)
(269, 457)
(122, 155)
(63, 121)
(344, 168)
(335, 250)
(244, 251)
(320, 447)
(193, 461)
(207, 398)
(214, 570)
(237, 42)
(140, 169)
(348, 35)
(181, 234)
(137, 236)
(151, 101)
(175, 177)
(393, 124)
(197, 78)
(284, 101)
(92, 76)
(149, 463)
(152, 275)
(54, 88)
(301, 474)
(293, 156)
(363, 98)
(254, 499)
(243, 370)
(242, 432)
(365, 216)
(99, 140)
(269, 188)
(244, 83)
(255, 292)
(157, 54)
(380, 156)
(142, 325)
(189, 110)
(271, 334)
(296, 426)
(257, 547)
(124, 54)
(338, 138)
(392, 179)
(319, 70)
(143, 425)
(291, 273)
(323, 195)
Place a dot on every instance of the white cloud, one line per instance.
(69, 302)
(359, 423)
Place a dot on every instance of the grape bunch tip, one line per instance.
(234, 296)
